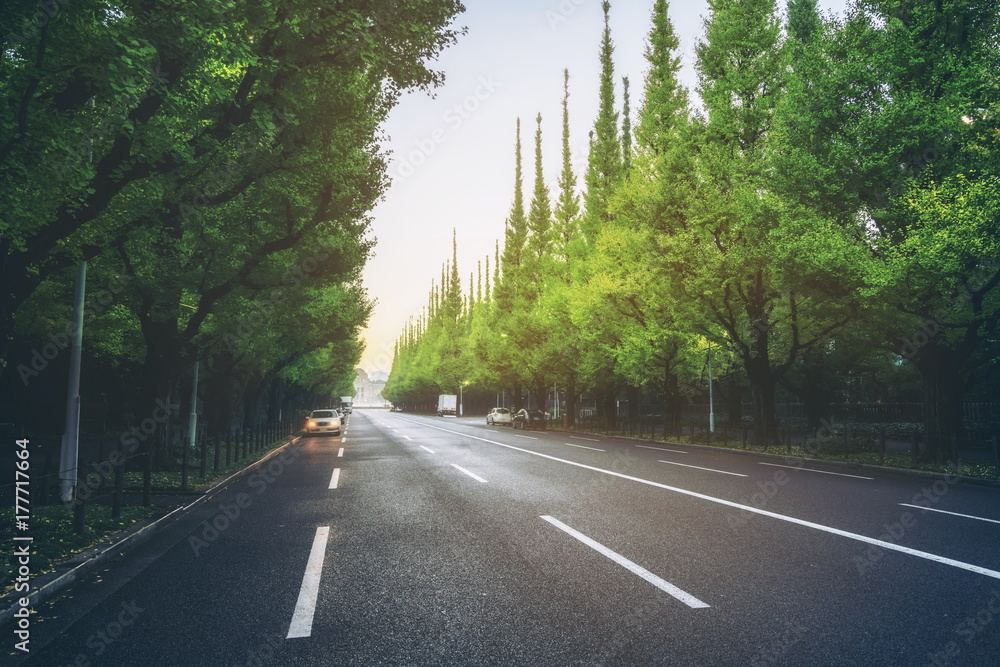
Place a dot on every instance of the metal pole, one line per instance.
(193, 421)
(69, 454)
(461, 402)
(711, 405)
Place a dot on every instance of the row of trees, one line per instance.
(827, 213)
(213, 163)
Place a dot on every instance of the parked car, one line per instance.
(499, 416)
(529, 419)
(323, 421)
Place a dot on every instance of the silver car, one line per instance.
(323, 421)
(499, 416)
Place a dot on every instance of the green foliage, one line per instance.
(826, 223)
(217, 162)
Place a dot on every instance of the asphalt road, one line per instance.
(439, 541)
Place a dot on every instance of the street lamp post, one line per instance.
(711, 405)
(461, 399)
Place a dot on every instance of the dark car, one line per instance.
(529, 419)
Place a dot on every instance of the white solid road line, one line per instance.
(340, 453)
(967, 516)
(570, 444)
(822, 472)
(473, 476)
(724, 472)
(305, 607)
(635, 568)
(428, 449)
(661, 449)
(747, 508)
(335, 478)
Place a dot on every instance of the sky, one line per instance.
(452, 154)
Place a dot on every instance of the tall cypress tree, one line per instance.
(454, 293)
(567, 208)
(540, 214)
(516, 231)
(664, 97)
(605, 161)
(626, 129)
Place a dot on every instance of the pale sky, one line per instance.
(452, 161)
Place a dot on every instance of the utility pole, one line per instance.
(70, 451)
(711, 405)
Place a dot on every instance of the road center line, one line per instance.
(408, 437)
(305, 607)
(580, 437)
(632, 567)
(473, 476)
(724, 472)
(967, 516)
(526, 437)
(570, 444)
(428, 449)
(340, 453)
(335, 478)
(746, 508)
(661, 449)
(822, 472)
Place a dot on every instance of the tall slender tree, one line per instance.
(604, 169)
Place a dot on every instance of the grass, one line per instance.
(54, 540)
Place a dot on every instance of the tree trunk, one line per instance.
(158, 402)
(633, 406)
(944, 394)
(571, 401)
(762, 387)
(608, 403)
(734, 401)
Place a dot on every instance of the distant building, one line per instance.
(368, 391)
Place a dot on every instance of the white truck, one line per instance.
(347, 403)
(447, 405)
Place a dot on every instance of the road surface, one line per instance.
(415, 540)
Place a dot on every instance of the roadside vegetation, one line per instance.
(817, 224)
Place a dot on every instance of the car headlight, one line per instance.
(310, 423)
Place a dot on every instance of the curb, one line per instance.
(130, 539)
